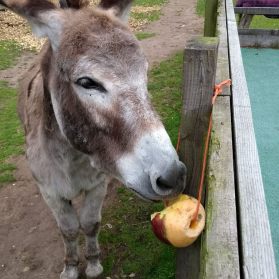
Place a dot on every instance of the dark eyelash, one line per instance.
(89, 83)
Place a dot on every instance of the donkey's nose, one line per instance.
(170, 181)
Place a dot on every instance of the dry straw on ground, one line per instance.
(13, 27)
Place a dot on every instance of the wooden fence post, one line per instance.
(199, 70)
(210, 18)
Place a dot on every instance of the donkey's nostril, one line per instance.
(163, 184)
(170, 181)
(162, 187)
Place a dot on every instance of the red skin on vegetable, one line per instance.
(158, 228)
(175, 226)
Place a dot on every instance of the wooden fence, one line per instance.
(256, 37)
(236, 242)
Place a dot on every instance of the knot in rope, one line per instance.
(217, 91)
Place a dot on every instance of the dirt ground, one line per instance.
(30, 242)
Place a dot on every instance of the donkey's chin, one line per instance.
(150, 195)
(144, 198)
(154, 199)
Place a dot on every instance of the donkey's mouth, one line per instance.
(143, 197)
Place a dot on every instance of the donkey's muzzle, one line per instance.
(169, 182)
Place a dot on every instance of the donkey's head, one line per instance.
(97, 79)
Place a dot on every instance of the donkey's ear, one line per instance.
(44, 17)
(119, 8)
(73, 4)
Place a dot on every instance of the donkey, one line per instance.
(87, 117)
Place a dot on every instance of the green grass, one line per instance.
(11, 133)
(9, 50)
(149, 16)
(165, 84)
(258, 21)
(150, 3)
(131, 244)
(141, 36)
(261, 22)
(200, 8)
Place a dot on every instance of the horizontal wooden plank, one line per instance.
(257, 257)
(223, 74)
(257, 250)
(220, 246)
(230, 11)
(257, 10)
(259, 32)
(223, 56)
(259, 37)
(241, 96)
(222, 23)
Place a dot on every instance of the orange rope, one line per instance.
(178, 140)
(217, 90)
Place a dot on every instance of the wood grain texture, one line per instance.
(257, 256)
(245, 21)
(223, 56)
(257, 10)
(259, 37)
(220, 253)
(241, 96)
(257, 250)
(259, 32)
(199, 70)
(220, 246)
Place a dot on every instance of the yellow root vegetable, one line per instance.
(175, 226)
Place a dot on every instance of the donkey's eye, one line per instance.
(88, 83)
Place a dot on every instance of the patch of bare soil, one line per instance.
(30, 242)
(14, 27)
(14, 74)
(178, 23)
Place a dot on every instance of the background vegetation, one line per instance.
(11, 133)
(262, 22)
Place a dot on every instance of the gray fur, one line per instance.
(79, 137)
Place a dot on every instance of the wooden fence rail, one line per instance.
(257, 256)
(256, 37)
(236, 243)
(257, 10)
